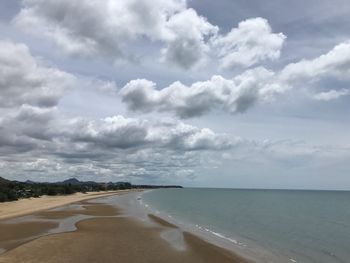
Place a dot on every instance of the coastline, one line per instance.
(246, 249)
(108, 230)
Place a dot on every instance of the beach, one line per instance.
(32, 205)
(96, 231)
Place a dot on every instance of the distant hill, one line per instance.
(72, 181)
(75, 181)
(30, 182)
(3, 181)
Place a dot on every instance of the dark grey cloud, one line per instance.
(32, 122)
(41, 139)
(113, 132)
(105, 28)
(26, 129)
(108, 29)
(166, 156)
(24, 81)
(108, 149)
(12, 144)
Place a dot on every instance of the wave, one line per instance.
(187, 226)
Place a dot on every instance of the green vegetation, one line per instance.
(14, 190)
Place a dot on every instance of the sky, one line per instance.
(226, 93)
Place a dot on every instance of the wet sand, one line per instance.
(108, 236)
(13, 235)
(32, 205)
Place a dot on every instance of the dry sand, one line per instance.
(108, 238)
(32, 205)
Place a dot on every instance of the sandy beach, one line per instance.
(32, 205)
(105, 235)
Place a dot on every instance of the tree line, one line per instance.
(14, 190)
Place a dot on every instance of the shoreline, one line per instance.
(112, 233)
(248, 250)
(134, 206)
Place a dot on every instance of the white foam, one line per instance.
(182, 224)
(175, 238)
(222, 236)
(137, 207)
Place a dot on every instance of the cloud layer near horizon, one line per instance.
(31, 125)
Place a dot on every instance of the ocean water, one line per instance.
(292, 226)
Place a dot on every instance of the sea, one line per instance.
(265, 225)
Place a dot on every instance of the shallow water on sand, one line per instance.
(294, 226)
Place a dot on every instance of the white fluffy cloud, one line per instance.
(241, 92)
(234, 95)
(126, 133)
(23, 80)
(250, 43)
(334, 63)
(309, 74)
(331, 94)
(186, 45)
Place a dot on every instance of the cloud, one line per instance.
(234, 95)
(250, 43)
(95, 28)
(111, 28)
(296, 162)
(186, 45)
(331, 94)
(127, 133)
(183, 137)
(25, 129)
(41, 142)
(334, 63)
(120, 148)
(37, 139)
(30, 92)
(111, 132)
(23, 80)
(88, 28)
(32, 122)
(239, 94)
